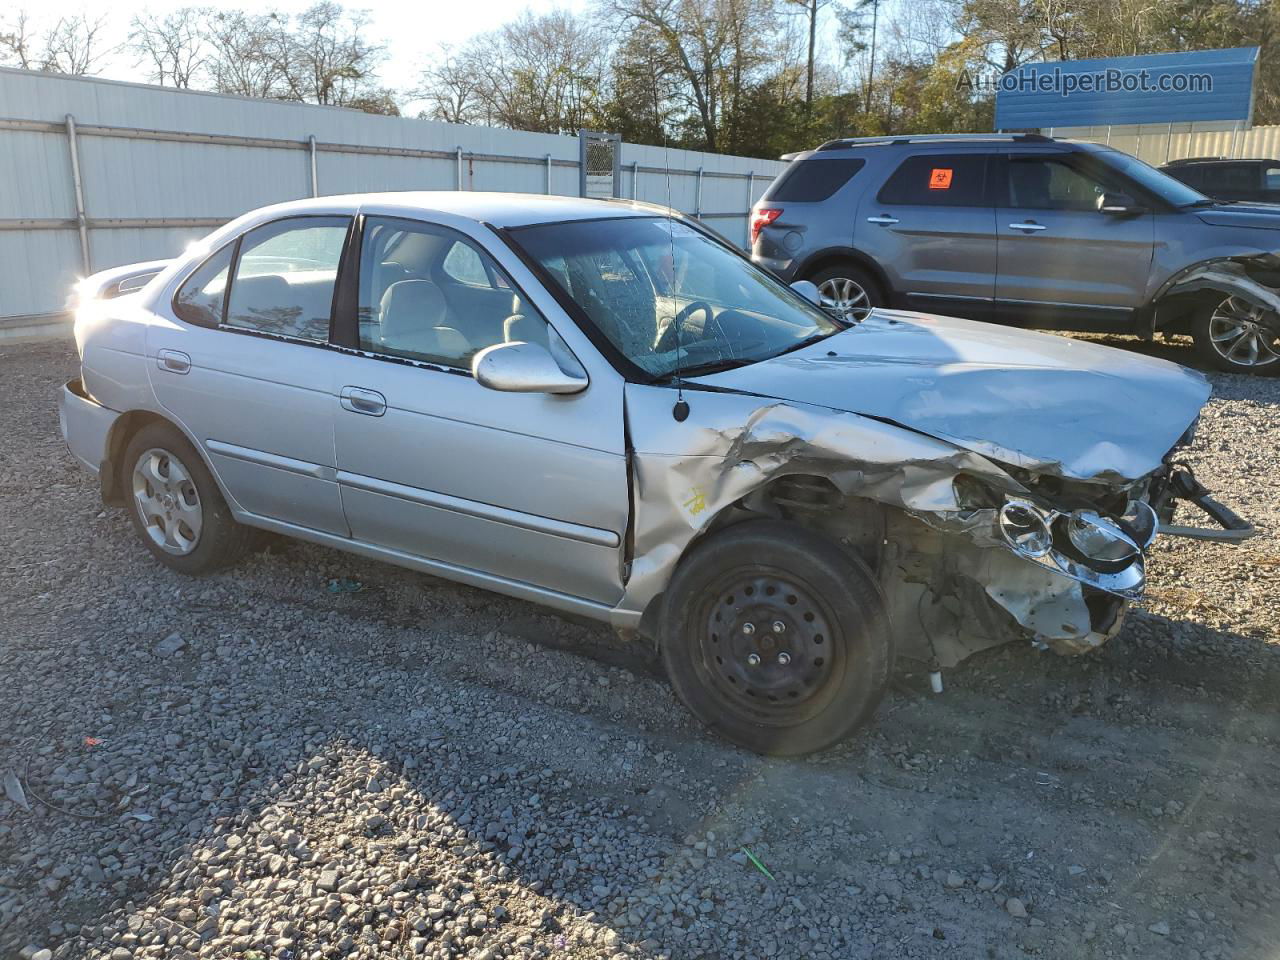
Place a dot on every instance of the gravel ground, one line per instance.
(249, 766)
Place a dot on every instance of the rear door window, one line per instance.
(285, 276)
(814, 180)
(938, 180)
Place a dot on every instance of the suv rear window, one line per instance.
(811, 181)
(937, 180)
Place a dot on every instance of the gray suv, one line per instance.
(1030, 231)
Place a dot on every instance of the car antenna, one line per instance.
(680, 412)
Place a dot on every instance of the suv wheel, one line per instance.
(175, 505)
(776, 638)
(848, 291)
(1238, 337)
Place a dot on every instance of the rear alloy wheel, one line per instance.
(176, 506)
(776, 638)
(1239, 337)
(847, 292)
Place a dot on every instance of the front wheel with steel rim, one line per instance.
(1238, 336)
(776, 638)
(847, 291)
(175, 505)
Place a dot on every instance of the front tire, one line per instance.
(1235, 336)
(175, 505)
(848, 291)
(776, 638)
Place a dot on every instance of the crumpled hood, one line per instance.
(1038, 401)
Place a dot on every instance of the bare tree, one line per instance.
(72, 44)
(326, 58)
(16, 43)
(243, 56)
(450, 87)
(539, 72)
(811, 9)
(173, 46)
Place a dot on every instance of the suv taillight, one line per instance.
(761, 219)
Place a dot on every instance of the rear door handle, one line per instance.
(370, 403)
(173, 361)
(883, 220)
(1028, 227)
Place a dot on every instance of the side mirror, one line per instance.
(809, 290)
(520, 367)
(1118, 204)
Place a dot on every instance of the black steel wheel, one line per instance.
(776, 638)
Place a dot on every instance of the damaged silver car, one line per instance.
(607, 409)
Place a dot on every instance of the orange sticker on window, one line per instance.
(940, 178)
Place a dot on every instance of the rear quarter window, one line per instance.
(812, 181)
(937, 180)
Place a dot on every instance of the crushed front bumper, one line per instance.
(86, 425)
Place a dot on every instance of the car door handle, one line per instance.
(173, 361)
(360, 400)
(1028, 227)
(883, 220)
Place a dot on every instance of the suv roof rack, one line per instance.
(890, 140)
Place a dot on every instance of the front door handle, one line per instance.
(1029, 226)
(370, 403)
(883, 220)
(173, 361)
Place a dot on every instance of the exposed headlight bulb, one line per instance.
(1025, 528)
(1098, 538)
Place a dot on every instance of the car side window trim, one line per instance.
(347, 323)
(234, 267)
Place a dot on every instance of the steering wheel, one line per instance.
(667, 339)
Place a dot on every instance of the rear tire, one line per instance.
(776, 638)
(848, 291)
(1236, 337)
(175, 505)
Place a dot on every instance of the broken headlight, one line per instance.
(1099, 541)
(1025, 527)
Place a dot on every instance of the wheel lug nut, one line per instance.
(779, 626)
(748, 628)
(753, 659)
(784, 658)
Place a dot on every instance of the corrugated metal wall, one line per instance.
(161, 167)
(1159, 143)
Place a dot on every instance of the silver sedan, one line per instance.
(605, 408)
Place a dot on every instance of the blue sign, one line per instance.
(1156, 88)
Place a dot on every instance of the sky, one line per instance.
(412, 32)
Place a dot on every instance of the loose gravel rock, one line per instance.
(420, 769)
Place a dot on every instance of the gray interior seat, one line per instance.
(413, 315)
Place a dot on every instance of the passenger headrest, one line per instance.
(411, 304)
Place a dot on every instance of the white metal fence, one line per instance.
(1159, 143)
(96, 173)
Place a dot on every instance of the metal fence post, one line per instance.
(315, 181)
(697, 197)
(548, 173)
(81, 220)
(1168, 141)
(751, 193)
(458, 183)
(635, 179)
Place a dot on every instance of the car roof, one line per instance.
(499, 209)
(951, 142)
